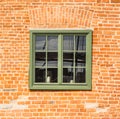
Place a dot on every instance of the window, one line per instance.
(60, 59)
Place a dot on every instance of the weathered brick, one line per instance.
(18, 17)
(115, 1)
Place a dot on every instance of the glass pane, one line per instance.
(52, 59)
(67, 75)
(80, 75)
(68, 42)
(51, 75)
(40, 58)
(40, 42)
(80, 42)
(52, 42)
(68, 59)
(80, 59)
(39, 75)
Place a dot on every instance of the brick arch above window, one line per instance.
(61, 17)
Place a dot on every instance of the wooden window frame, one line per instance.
(61, 86)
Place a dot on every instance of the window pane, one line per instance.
(52, 59)
(80, 75)
(80, 59)
(68, 59)
(39, 75)
(51, 75)
(40, 58)
(68, 42)
(52, 42)
(80, 42)
(67, 75)
(40, 43)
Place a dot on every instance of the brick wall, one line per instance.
(17, 17)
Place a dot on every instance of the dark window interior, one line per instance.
(74, 58)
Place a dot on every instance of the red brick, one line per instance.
(115, 1)
(18, 17)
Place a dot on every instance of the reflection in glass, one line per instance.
(68, 59)
(80, 59)
(40, 43)
(80, 42)
(51, 75)
(52, 58)
(68, 42)
(80, 75)
(40, 59)
(67, 75)
(52, 42)
(39, 75)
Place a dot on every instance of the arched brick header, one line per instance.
(60, 17)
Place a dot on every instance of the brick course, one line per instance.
(17, 17)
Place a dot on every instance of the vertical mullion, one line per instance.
(60, 58)
(74, 61)
(46, 57)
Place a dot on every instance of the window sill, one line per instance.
(79, 86)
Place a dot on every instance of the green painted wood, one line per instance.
(57, 31)
(89, 60)
(74, 61)
(59, 59)
(46, 49)
(60, 85)
(30, 70)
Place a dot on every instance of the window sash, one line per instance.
(81, 86)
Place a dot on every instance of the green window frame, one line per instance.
(60, 60)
